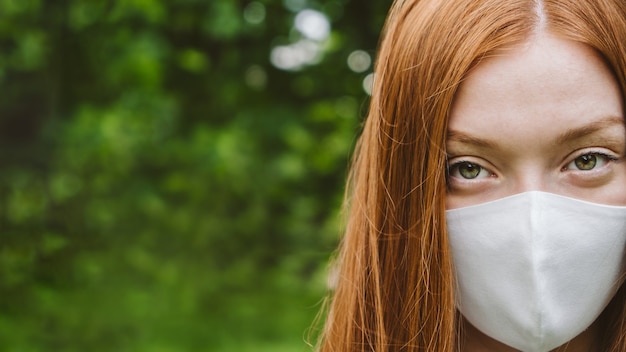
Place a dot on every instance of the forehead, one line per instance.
(537, 88)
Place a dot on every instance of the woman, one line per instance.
(487, 199)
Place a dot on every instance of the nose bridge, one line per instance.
(531, 177)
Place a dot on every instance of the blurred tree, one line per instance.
(171, 171)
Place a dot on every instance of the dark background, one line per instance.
(171, 172)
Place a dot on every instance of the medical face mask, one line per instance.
(536, 269)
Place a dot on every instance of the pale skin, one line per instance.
(546, 115)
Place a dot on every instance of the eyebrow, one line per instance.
(464, 138)
(593, 127)
(567, 136)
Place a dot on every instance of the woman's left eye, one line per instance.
(589, 161)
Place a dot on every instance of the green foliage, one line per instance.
(163, 187)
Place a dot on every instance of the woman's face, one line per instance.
(543, 116)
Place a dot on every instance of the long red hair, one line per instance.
(395, 286)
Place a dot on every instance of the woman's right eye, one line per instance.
(467, 170)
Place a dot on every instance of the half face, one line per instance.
(548, 116)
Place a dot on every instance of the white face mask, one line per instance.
(534, 270)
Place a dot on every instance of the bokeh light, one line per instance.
(359, 61)
(297, 55)
(312, 24)
(314, 28)
(295, 5)
(368, 83)
(254, 13)
(256, 77)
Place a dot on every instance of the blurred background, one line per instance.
(171, 171)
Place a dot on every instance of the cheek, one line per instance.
(616, 195)
(454, 201)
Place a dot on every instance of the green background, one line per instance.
(163, 186)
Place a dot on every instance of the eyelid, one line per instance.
(455, 160)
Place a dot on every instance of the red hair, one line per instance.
(395, 287)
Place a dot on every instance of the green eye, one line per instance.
(590, 161)
(586, 162)
(467, 170)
